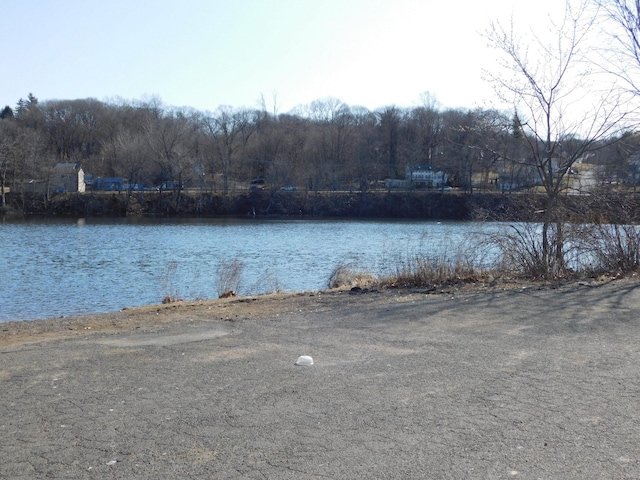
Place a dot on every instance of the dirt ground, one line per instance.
(518, 382)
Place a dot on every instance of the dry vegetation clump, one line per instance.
(465, 263)
(445, 262)
(522, 253)
(588, 250)
(432, 272)
(346, 276)
(229, 278)
(166, 300)
(612, 249)
(169, 287)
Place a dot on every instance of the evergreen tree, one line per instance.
(26, 105)
(6, 113)
(518, 134)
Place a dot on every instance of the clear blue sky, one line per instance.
(204, 53)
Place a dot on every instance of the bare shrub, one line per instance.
(229, 277)
(345, 275)
(613, 248)
(523, 252)
(612, 239)
(267, 283)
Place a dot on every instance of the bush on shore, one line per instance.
(513, 254)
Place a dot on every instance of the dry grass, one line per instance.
(345, 276)
(169, 287)
(423, 271)
(229, 278)
(459, 263)
(268, 282)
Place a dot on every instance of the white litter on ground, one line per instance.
(304, 360)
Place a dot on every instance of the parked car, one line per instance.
(289, 188)
(171, 186)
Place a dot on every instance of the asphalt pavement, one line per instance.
(529, 383)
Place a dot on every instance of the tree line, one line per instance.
(325, 145)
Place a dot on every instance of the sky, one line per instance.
(207, 53)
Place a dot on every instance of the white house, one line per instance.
(426, 176)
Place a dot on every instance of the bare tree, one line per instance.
(547, 82)
(167, 137)
(429, 120)
(621, 57)
(229, 130)
(73, 127)
(364, 160)
(389, 121)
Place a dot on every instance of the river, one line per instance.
(62, 267)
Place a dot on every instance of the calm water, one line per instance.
(65, 267)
